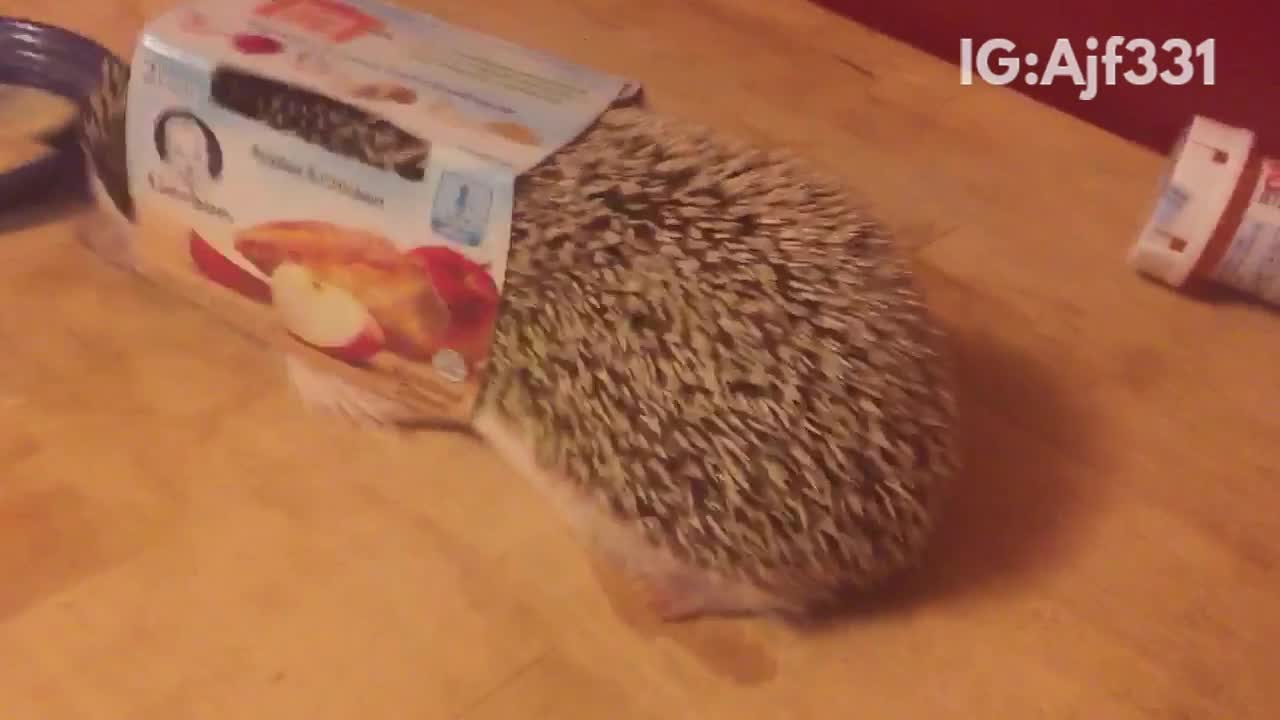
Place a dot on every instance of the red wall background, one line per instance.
(1247, 36)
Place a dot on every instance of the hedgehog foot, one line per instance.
(685, 595)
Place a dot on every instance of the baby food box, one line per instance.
(337, 177)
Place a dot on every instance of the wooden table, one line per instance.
(179, 540)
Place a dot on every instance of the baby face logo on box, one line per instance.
(190, 160)
(461, 208)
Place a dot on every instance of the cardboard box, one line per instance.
(337, 178)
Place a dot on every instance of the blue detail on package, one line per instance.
(460, 211)
(1172, 200)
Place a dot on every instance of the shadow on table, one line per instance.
(1026, 445)
(1219, 296)
(47, 208)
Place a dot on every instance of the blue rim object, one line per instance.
(59, 61)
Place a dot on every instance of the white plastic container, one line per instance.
(1217, 220)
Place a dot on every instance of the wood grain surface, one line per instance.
(179, 540)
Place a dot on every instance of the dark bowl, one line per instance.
(55, 60)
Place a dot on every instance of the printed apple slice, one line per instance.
(464, 284)
(223, 270)
(254, 44)
(471, 295)
(325, 316)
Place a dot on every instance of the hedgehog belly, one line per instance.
(676, 590)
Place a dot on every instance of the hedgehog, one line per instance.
(711, 360)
